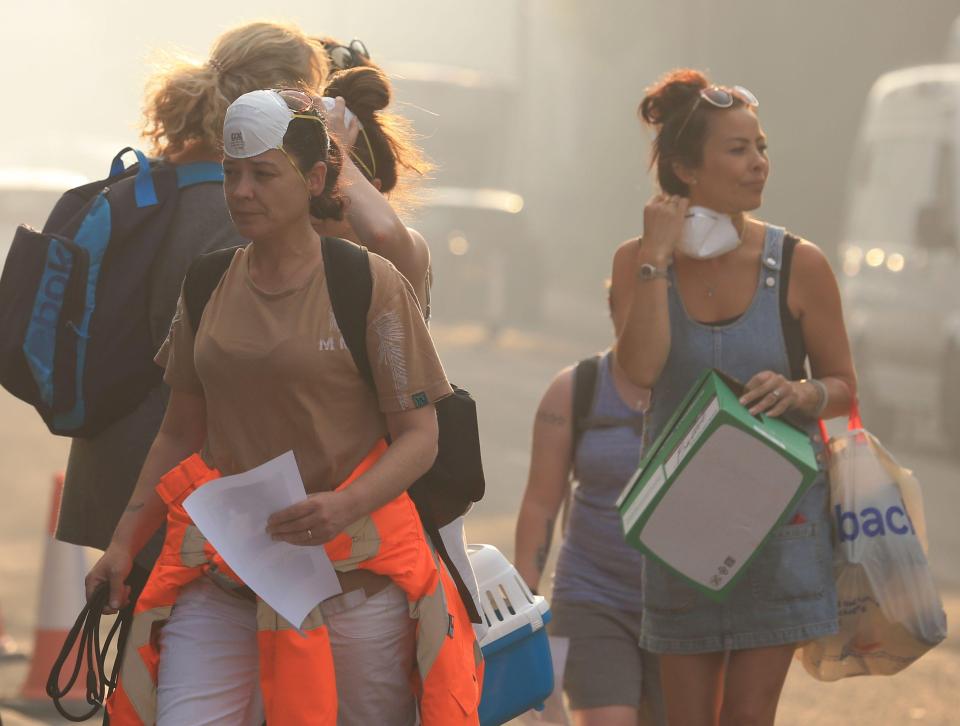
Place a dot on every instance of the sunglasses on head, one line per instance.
(719, 97)
(347, 56)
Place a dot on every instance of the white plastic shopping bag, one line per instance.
(890, 612)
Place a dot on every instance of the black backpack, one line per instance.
(585, 377)
(75, 337)
(456, 478)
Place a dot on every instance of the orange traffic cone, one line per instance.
(9, 649)
(62, 598)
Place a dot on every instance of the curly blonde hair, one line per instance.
(187, 100)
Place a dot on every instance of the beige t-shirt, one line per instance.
(277, 375)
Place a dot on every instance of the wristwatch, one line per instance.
(649, 272)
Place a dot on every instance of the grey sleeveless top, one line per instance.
(595, 565)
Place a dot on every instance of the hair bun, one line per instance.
(365, 89)
(671, 94)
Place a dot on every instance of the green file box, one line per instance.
(714, 485)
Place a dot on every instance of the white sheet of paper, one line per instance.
(232, 514)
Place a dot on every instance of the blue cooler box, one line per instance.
(518, 671)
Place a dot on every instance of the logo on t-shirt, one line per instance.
(332, 343)
(420, 399)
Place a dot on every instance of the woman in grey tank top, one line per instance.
(691, 301)
(597, 595)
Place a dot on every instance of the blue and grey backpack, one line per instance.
(74, 327)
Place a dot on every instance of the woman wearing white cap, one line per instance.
(254, 381)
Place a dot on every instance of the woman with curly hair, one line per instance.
(183, 121)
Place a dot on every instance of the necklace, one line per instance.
(711, 289)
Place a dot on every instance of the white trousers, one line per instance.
(209, 671)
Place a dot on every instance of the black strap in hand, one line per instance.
(87, 629)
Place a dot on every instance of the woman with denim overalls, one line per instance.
(710, 287)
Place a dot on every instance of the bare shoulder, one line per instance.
(557, 402)
(421, 249)
(810, 263)
(813, 286)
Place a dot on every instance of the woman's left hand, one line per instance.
(316, 520)
(770, 393)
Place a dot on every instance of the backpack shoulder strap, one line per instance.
(350, 285)
(585, 377)
(200, 172)
(202, 278)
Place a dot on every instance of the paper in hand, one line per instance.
(232, 514)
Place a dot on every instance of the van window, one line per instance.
(895, 177)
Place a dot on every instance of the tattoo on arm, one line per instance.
(135, 507)
(544, 550)
(554, 419)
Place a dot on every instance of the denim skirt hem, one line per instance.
(739, 641)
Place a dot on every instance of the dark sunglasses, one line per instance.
(347, 56)
(719, 97)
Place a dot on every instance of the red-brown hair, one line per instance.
(396, 161)
(671, 107)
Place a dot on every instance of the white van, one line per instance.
(900, 253)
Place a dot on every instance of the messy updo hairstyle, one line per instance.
(308, 142)
(671, 107)
(392, 156)
(186, 100)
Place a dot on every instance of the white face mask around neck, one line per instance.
(707, 234)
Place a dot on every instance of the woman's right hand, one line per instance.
(112, 567)
(662, 226)
(336, 120)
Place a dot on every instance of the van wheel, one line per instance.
(950, 402)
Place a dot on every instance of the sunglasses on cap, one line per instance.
(719, 97)
(347, 56)
(305, 106)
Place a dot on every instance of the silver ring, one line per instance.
(309, 533)
(776, 393)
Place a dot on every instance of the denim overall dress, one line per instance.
(787, 594)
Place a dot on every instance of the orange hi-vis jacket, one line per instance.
(296, 673)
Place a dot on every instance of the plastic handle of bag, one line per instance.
(824, 434)
(855, 422)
